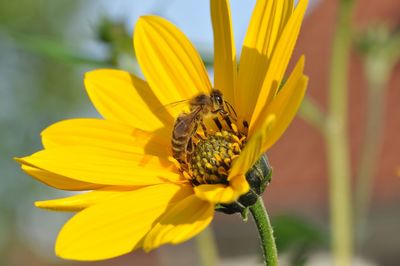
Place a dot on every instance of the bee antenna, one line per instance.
(230, 108)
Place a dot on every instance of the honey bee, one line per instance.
(186, 124)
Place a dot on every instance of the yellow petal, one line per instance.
(266, 25)
(217, 193)
(288, 6)
(170, 63)
(225, 68)
(279, 60)
(223, 193)
(285, 105)
(253, 150)
(58, 181)
(104, 134)
(185, 220)
(84, 200)
(266, 110)
(120, 96)
(104, 167)
(239, 184)
(273, 121)
(117, 226)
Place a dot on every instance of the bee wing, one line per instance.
(182, 105)
(184, 124)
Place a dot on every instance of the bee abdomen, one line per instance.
(179, 143)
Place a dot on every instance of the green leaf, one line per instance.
(298, 236)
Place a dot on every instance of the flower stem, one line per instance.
(206, 248)
(337, 140)
(265, 232)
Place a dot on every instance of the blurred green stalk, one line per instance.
(337, 140)
(207, 248)
(380, 50)
(370, 148)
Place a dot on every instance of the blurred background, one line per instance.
(46, 47)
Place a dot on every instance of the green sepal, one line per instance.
(258, 177)
(245, 214)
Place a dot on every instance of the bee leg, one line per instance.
(245, 126)
(189, 146)
(228, 121)
(182, 162)
(218, 123)
(188, 151)
(204, 128)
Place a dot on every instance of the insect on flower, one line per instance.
(186, 124)
(150, 179)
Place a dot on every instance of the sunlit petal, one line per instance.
(267, 22)
(218, 193)
(117, 226)
(120, 96)
(285, 105)
(225, 68)
(104, 167)
(58, 181)
(169, 61)
(105, 134)
(185, 220)
(279, 60)
(83, 200)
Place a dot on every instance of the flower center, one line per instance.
(206, 155)
(212, 157)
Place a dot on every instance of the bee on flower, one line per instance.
(152, 178)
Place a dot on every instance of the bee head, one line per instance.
(217, 100)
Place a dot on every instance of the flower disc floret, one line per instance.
(213, 156)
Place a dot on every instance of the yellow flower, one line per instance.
(139, 196)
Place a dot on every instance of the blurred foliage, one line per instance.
(379, 46)
(115, 36)
(34, 91)
(377, 39)
(36, 16)
(298, 237)
(57, 50)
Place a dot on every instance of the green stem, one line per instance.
(265, 232)
(206, 248)
(377, 67)
(337, 140)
